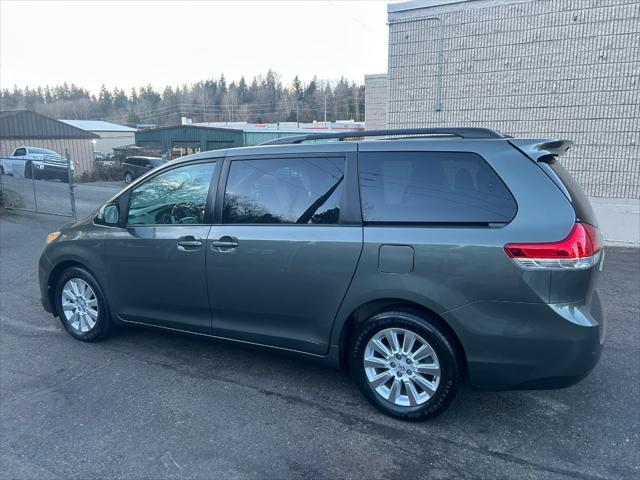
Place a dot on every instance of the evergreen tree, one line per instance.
(265, 99)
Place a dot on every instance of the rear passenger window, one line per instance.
(576, 195)
(434, 187)
(284, 191)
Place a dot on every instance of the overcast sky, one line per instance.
(134, 43)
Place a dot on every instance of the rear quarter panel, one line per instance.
(458, 265)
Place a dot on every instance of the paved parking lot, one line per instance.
(147, 404)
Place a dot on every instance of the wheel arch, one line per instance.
(365, 311)
(52, 280)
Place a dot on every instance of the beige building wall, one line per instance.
(80, 150)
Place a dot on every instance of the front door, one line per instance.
(156, 263)
(280, 263)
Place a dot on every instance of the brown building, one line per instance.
(24, 128)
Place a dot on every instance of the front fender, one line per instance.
(81, 243)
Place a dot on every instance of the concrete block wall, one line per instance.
(532, 68)
(375, 99)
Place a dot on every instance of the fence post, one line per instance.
(33, 183)
(2, 189)
(72, 196)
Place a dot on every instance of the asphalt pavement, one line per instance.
(148, 404)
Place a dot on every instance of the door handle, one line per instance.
(224, 244)
(189, 243)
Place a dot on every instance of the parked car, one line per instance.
(133, 167)
(458, 255)
(33, 162)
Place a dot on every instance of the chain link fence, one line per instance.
(39, 184)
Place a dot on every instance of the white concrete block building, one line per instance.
(375, 99)
(530, 68)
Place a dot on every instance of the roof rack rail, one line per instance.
(466, 132)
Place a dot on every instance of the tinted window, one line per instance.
(20, 152)
(177, 196)
(566, 182)
(291, 190)
(155, 162)
(438, 187)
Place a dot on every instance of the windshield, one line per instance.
(43, 151)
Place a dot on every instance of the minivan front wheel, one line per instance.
(82, 306)
(405, 365)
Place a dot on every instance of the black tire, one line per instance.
(28, 170)
(427, 328)
(128, 177)
(104, 324)
(1, 170)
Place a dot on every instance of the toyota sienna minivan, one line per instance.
(420, 259)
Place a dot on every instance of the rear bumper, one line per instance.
(512, 345)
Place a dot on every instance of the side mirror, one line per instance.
(109, 215)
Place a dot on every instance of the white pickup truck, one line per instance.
(32, 162)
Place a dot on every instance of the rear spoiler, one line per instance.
(536, 149)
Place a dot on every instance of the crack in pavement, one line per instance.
(20, 398)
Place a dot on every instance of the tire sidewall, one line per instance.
(103, 324)
(128, 177)
(449, 368)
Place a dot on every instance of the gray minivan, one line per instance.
(420, 259)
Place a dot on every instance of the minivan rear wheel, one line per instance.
(82, 306)
(405, 365)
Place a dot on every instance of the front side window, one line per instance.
(178, 196)
(432, 187)
(284, 191)
(20, 152)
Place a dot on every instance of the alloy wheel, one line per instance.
(79, 305)
(401, 367)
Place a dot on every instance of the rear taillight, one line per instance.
(581, 249)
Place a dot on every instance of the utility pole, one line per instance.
(297, 115)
